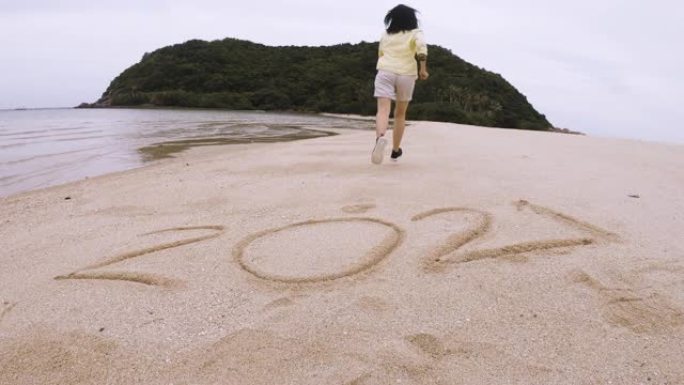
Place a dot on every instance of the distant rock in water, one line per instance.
(566, 131)
(241, 75)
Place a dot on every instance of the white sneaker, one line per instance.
(379, 150)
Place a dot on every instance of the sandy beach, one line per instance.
(484, 256)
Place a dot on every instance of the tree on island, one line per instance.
(241, 75)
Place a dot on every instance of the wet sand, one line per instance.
(483, 256)
(168, 149)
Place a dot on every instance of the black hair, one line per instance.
(401, 18)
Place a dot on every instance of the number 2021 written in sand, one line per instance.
(438, 258)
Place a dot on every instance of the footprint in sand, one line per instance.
(5, 308)
(428, 344)
(373, 304)
(279, 303)
(633, 309)
(430, 359)
(358, 209)
(251, 356)
(48, 358)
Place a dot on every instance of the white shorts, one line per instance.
(393, 86)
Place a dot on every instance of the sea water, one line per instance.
(46, 147)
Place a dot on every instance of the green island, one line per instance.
(241, 75)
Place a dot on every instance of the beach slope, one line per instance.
(484, 256)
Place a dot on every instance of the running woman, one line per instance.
(402, 58)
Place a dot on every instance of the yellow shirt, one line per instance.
(397, 52)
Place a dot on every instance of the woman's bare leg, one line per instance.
(382, 117)
(399, 124)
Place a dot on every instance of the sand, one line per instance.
(484, 256)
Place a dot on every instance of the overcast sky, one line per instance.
(605, 67)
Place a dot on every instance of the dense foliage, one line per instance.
(241, 75)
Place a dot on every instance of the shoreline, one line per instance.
(188, 154)
(556, 130)
(78, 145)
(330, 131)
